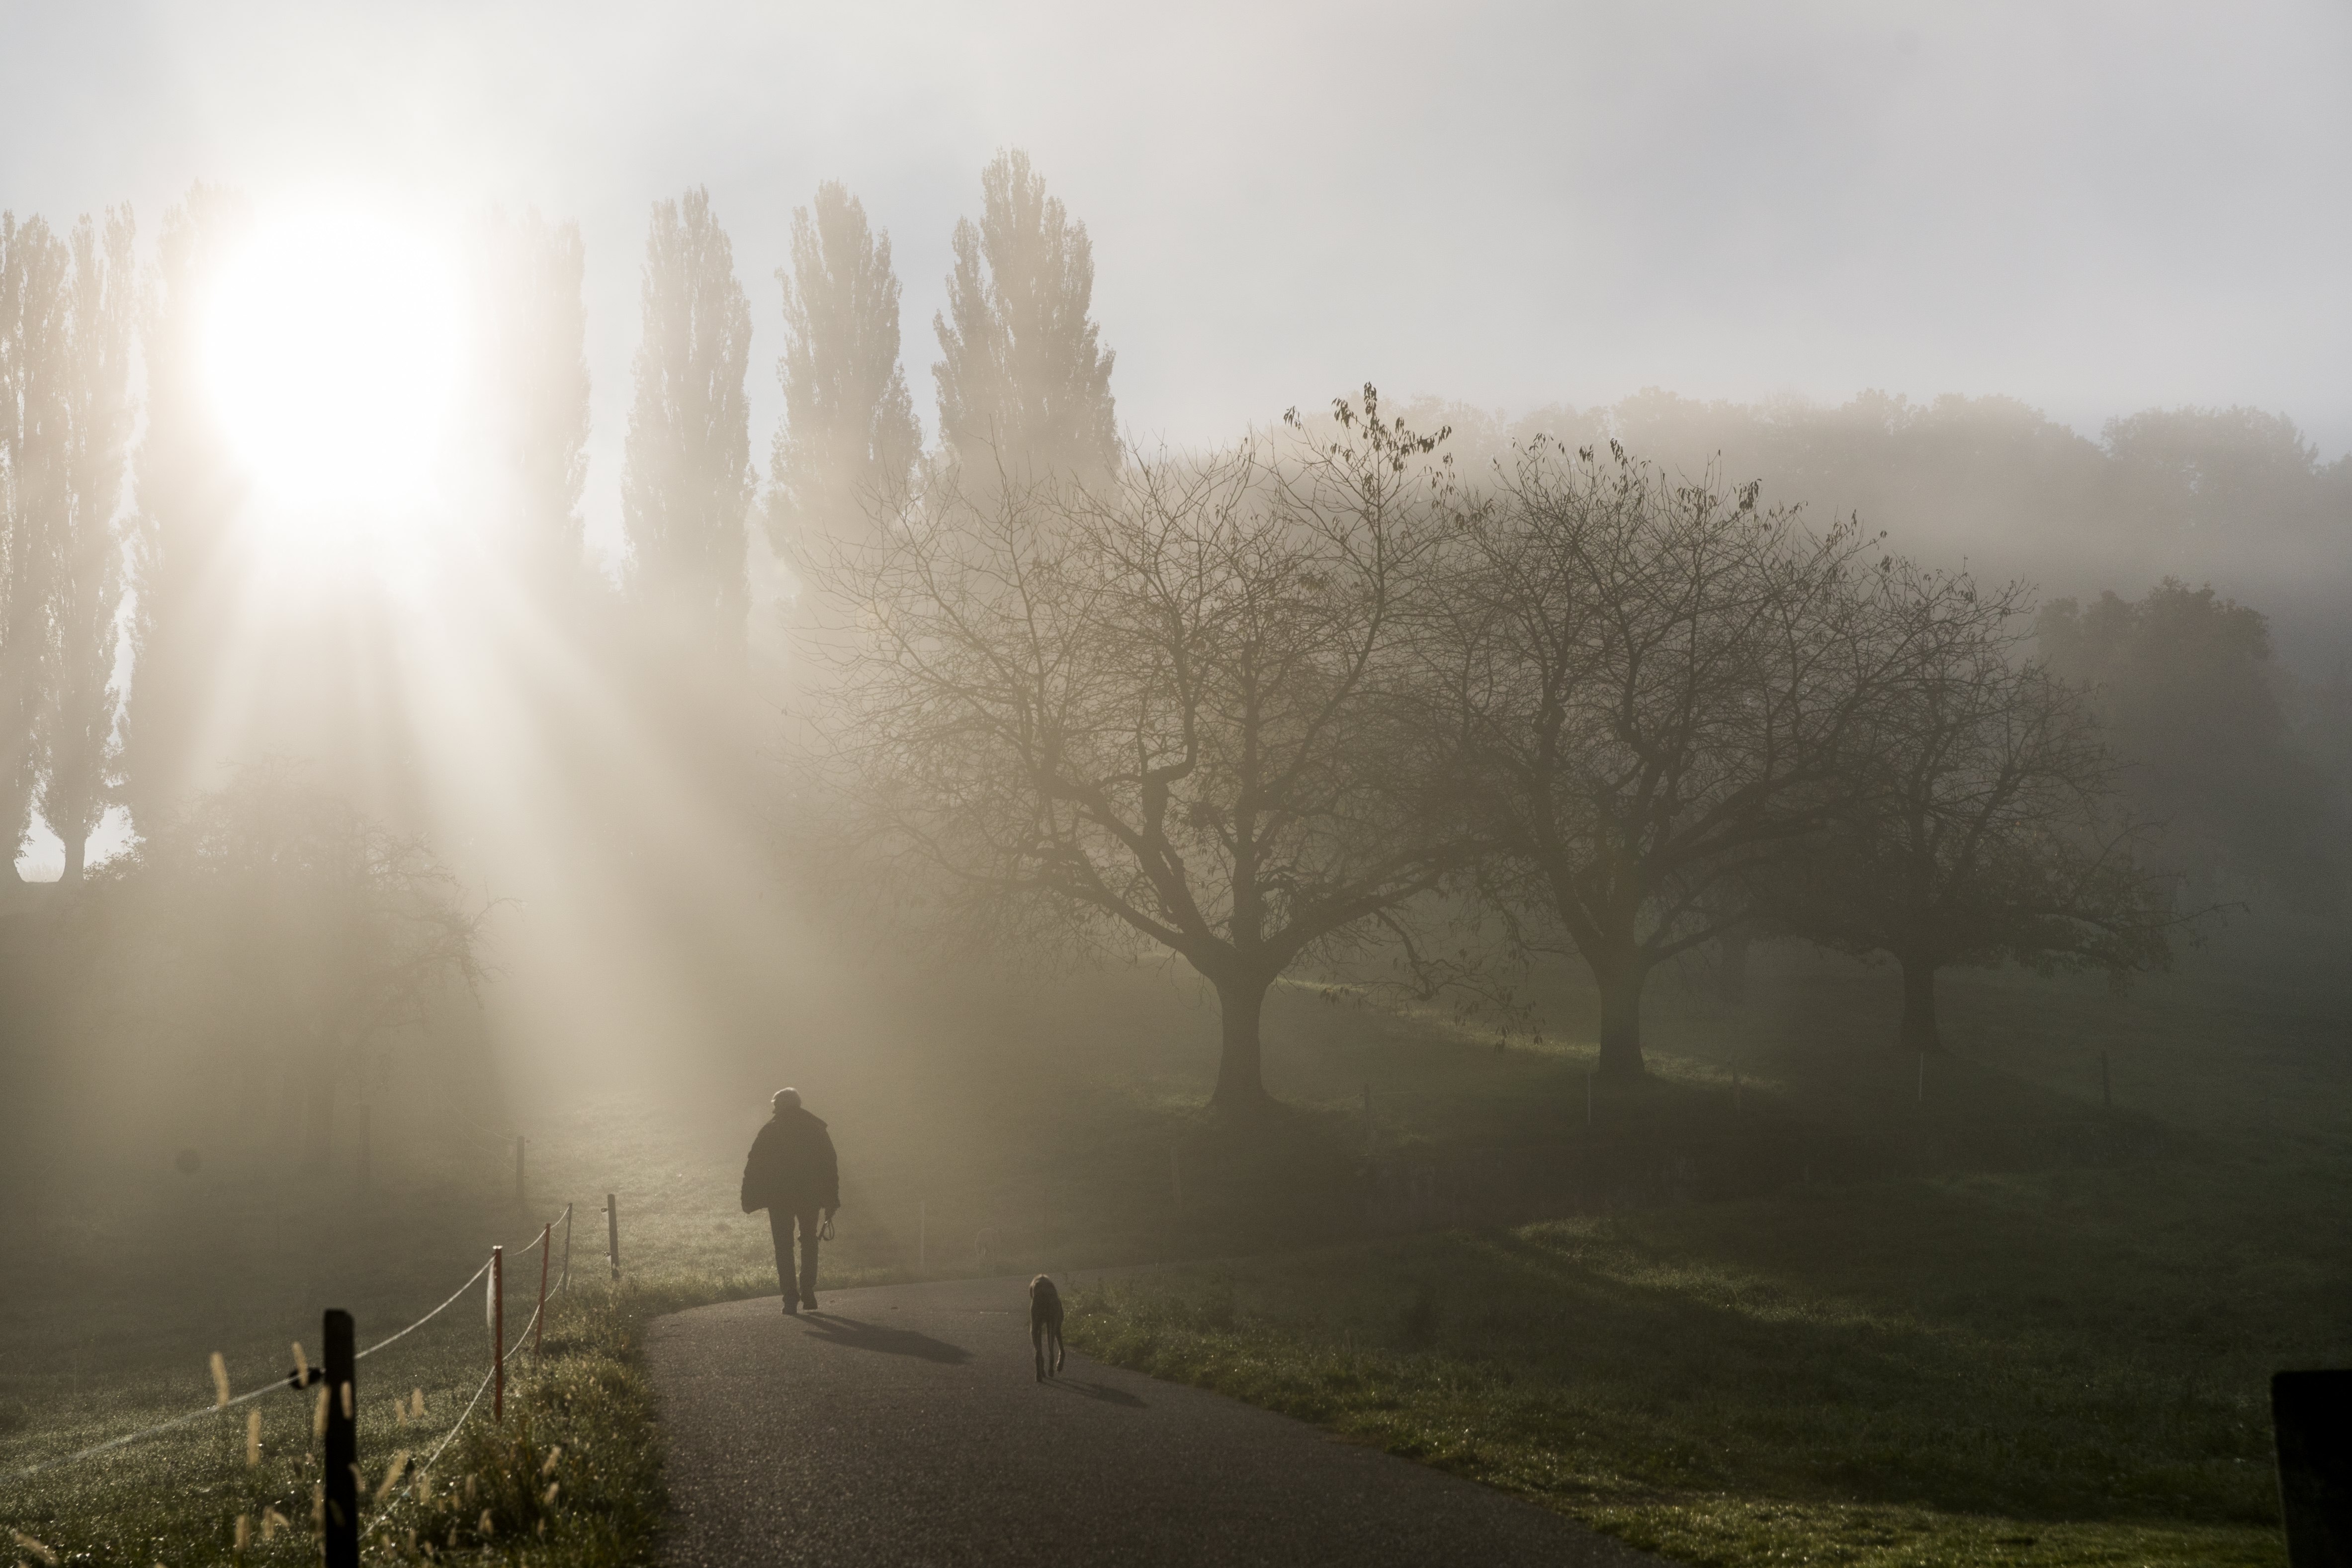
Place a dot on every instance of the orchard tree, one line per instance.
(1023, 387)
(688, 483)
(1989, 827)
(188, 488)
(78, 746)
(1662, 685)
(1169, 712)
(849, 439)
(2184, 684)
(270, 920)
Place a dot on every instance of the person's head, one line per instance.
(786, 1099)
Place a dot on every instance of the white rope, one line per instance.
(429, 1317)
(287, 1382)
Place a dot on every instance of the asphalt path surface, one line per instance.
(903, 1425)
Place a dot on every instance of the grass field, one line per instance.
(1790, 1301)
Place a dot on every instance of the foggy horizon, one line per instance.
(1350, 785)
(2094, 210)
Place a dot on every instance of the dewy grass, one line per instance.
(2015, 1370)
(572, 1475)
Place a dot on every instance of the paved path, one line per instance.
(902, 1425)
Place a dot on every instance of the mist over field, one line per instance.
(1631, 731)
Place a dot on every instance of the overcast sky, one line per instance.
(2096, 208)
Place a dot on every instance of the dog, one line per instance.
(1045, 1325)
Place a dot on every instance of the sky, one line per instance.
(2096, 208)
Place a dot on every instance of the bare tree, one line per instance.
(1166, 713)
(78, 737)
(849, 434)
(687, 485)
(268, 919)
(36, 377)
(1023, 384)
(1989, 827)
(188, 489)
(1662, 685)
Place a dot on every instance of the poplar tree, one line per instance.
(86, 591)
(187, 489)
(35, 339)
(688, 482)
(849, 432)
(534, 383)
(1023, 384)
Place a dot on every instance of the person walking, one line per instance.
(792, 1172)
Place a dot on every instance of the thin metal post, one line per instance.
(539, 1319)
(341, 1523)
(613, 1235)
(565, 1280)
(498, 1333)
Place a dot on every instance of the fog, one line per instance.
(1671, 679)
(2095, 209)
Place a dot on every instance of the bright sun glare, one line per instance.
(332, 351)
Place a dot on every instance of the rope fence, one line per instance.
(336, 1421)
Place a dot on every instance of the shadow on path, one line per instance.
(1101, 1391)
(861, 1336)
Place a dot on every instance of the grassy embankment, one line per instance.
(1809, 1317)
(1986, 1341)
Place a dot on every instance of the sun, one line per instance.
(333, 351)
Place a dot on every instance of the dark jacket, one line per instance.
(791, 1167)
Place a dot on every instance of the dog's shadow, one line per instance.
(1101, 1392)
(861, 1336)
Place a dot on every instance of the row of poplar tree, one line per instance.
(99, 543)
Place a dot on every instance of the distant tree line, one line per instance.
(1325, 689)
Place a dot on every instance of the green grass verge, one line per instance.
(571, 1475)
(2063, 1368)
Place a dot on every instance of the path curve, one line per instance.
(902, 1425)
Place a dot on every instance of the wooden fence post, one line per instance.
(499, 1334)
(613, 1235)
(342, 1476)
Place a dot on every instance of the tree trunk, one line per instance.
(1919, 1032)
(1241, 1082)
(1731, 947)
(1621, 1020)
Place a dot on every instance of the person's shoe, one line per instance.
(809, 1302)
(792, 1308)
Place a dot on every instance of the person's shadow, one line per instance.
(859, 1336)
(1097, 1391)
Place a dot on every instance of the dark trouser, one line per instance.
(780, 1227)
